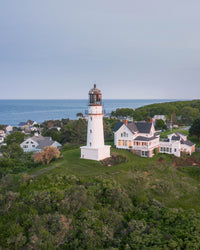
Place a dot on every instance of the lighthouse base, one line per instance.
(96, 154)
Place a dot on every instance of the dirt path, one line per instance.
(44, 170)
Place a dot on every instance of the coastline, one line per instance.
(14, 111)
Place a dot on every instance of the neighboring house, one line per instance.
(158, 117)
(37, 143)
(22, 124)
(2, 133)
(29, 123)
(1, 139)
(9, 129)
(142, 139)
(139, 136)
(177, 143)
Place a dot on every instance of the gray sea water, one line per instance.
(12, 112)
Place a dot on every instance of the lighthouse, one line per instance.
(95, 148)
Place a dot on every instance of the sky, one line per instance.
(132, 49)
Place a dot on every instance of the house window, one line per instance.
(129, 143)
(121, 134)
(145, 153)
(175, 150)
(27, 142)
(25, 146)
(90, 144)
(124, 134)
(170, 150)
(125, 143)
(167, 149)
(33, 146)
(90, 118)
(120, 143)
(90, 131)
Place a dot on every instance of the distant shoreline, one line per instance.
(14, 111)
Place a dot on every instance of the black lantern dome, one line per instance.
(95, 96)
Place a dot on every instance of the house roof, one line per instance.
(176, 138)
(42, 141)
(144, 127)
(22, 124)
(117, 126)
(142, 138)
(132, 127)
(187, 142)
(141, 127)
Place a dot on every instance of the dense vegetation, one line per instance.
(81, 204)
(184, 112)
(74, 131)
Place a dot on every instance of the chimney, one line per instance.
(95, 86)
(151, 120)
(125, 122)
(36, 134)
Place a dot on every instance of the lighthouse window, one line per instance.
(91, 118)
(90, 130)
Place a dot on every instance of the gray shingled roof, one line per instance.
(132, 127)
(188, 143)
(144, 127)
(176, 138)
(141, 127)
(42, 141)
(117, 126)
(142, 138)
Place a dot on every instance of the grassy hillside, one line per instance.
(75, 203)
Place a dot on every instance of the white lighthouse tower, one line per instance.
(95, 148)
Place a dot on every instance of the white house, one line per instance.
(140, 136)
(1, 139)
(177, 143)
(2, 133)
(37, 143)
(9, 129)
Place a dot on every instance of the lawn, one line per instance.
(144, 177)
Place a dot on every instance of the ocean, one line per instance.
(12, 112)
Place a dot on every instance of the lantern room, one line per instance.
(95, 97)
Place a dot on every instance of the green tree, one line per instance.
(79, 115)
(53, 133)
(189, 114)
(14, 151)
(195, 128)
(123, 112)
(16, 137)
(160, 124)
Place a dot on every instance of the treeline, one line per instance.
(184, 112)
(74, 131)
(65, 212)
